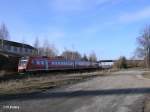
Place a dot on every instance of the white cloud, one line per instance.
(135, 16)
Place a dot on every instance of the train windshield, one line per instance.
(23, 61)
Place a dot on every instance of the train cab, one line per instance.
(23, 64)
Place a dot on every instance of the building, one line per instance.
(16, 48)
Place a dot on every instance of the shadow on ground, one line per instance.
(71, 94)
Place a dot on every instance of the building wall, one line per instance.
(18, 50)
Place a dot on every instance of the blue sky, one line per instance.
(108, 27)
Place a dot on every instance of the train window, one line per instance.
(42, 62)
(23, 62)
(55, 63)
(33, 62)
(49, 62)
(37, 62)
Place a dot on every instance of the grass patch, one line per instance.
(42, 83)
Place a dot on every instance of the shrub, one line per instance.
(121, 63)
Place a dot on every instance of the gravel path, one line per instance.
(119, 93)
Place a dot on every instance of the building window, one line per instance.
(15, 49)
(7, 47)
(31, 50)
(26, 50)
(20, 49)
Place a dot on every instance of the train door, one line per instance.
(46, 64)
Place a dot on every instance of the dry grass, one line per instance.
(147, 99)
(146, 106)
(35, 84)
(146, 74)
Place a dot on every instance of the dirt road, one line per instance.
(123, 92)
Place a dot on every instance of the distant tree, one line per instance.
(121, 62)
(36, 45)
(92, 57)
(85, 58)
(4, 33)
(135, 62)
(143, 49)
(48, 49)
(41, 51)
(74, 55)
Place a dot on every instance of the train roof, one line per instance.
(57, 57)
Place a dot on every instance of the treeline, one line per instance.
(122, 62)
(4, 33)
(142, 52)
(50, 50)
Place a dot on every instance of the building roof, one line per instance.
(16, 44)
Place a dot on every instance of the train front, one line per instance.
(23, 64)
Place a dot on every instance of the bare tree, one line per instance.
(85, 58)
(4, 33)
(36, 45)
(73, 55)
(92, 57)
(48, 49)
(143, 49)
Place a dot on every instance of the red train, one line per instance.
(28, 64)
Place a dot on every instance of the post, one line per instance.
(2, 44)
(148, 57)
